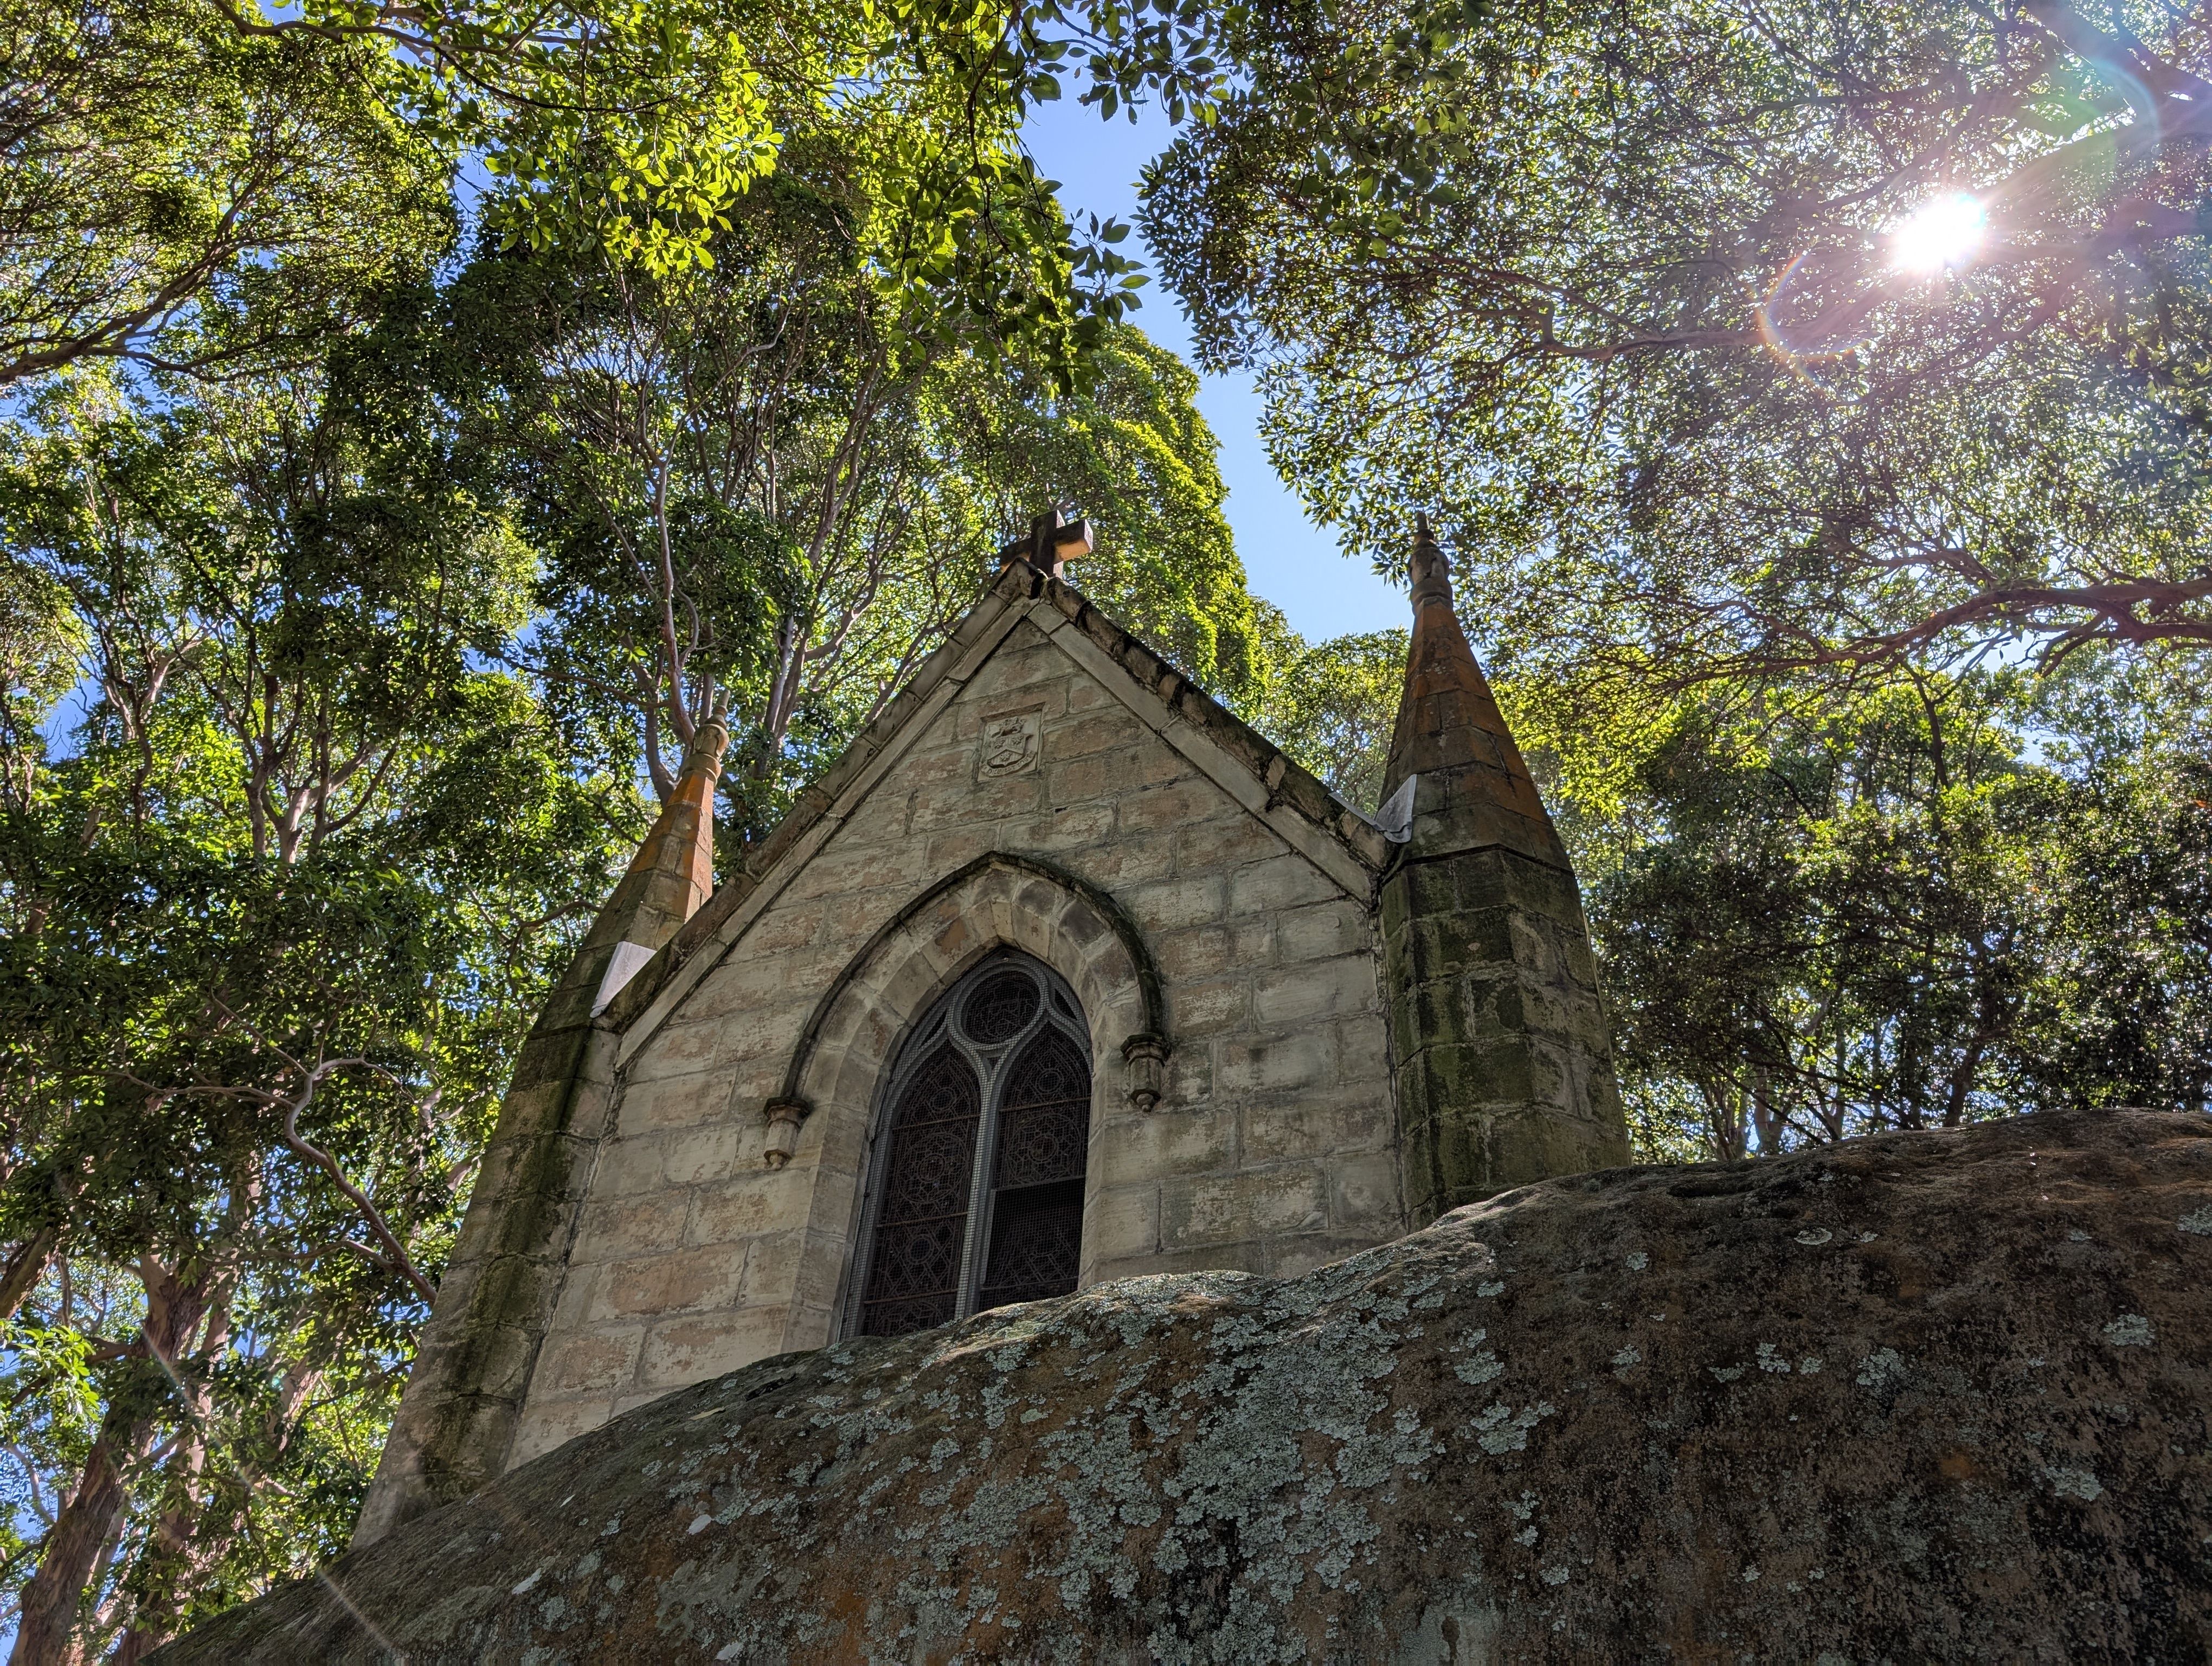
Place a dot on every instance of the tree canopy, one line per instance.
(1642, 295)
(164, 150)
(416, 421)
(274, 923)
(758, 484)
(154, 155)
(1946, 899)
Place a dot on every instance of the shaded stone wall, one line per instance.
(1271, 1150)
(1504, 1060)
(457, 1417)
(1500, 1042)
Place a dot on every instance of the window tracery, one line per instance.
(977, 1195)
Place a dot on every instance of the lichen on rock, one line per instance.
(1500, 1439)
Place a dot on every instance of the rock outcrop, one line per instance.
(1943, 1396)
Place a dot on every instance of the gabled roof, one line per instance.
(1311, 818)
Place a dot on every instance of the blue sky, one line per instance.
(1289, 559)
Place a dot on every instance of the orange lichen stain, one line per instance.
(1196, 1305)
(983, 1342)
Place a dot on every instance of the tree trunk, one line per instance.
(195, 1531)
(1764, 1116)
(1962, 1081)
(169, 1561)
(46, 1633)
(1724, 1128)
(24, 1268)
(53, 1601)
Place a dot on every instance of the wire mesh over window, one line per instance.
(1000, 1009)
(1036, 1204)
(1003, 1080)
(1044, 1114)
(914, 1275)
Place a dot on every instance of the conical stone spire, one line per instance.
(1499, 1046)
(457, 1419)
(671, 874)
(1471, 785)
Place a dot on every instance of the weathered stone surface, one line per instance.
(1501, 1053)
(1930, 1397)
(458, 1416)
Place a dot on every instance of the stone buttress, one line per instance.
(473, 1367)
(1499, 1045)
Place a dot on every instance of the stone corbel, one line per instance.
(1145, 1056)
(784, 1117)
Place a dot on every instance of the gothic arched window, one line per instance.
(977, 1198)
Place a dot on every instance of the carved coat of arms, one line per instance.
(1010, 743)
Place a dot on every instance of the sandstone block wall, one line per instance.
(472, 1369)
(1272, 1149)
(1505, 1065)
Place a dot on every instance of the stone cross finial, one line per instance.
(1053, 539)
(1429, 571)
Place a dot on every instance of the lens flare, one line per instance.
(1942, 233)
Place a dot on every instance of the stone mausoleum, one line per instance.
(1062, 975)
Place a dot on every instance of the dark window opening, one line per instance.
(977, 1200)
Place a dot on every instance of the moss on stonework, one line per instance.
(452, 1433)
(1491, 984)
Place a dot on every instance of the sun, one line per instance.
(1942, 233)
